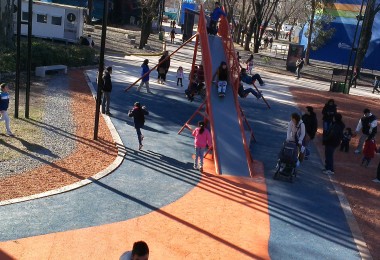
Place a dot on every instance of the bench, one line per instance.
(41, 71)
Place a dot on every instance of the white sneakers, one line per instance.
(328, 172)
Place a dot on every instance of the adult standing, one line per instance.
(145, 79)
(299, 64)
(368, 126)
(311, 126)
(296, 130)
(328, 112)
(331, 141)
(107, 89)
(165, 64)
(138, 113)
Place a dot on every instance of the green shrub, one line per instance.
(46, 53)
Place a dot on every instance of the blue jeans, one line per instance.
(106, 102)
(329, 157)
(199, 153)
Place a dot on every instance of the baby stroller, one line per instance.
(287, 161)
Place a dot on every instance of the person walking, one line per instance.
(214, 18)
(299, 64)
(331, 141)
(138, 113)
(369, 151)
(4, 104)
(202, 140)
(180, 76)
(376, 85)
(172, 35)
(107, 89)
(368, 126)
(296, 133)
(328, 112)
(249, 63)
(145, 80)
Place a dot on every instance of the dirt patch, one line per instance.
(88, 158)
(356, 181)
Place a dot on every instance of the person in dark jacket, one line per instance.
(311, 126)
(138, 113)
(368, 126)
(331, 141)
(328, 112)
(165, 65)
(107, 88)
(311, 122)
(222, 78)
(250, 79)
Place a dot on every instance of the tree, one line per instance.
(262, 13)
(148, 13)
(371, 10)
(322, 31)
(6, 24)
(313, 6)
(285, 10)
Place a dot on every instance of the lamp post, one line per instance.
(101, 68)
(353, 48)
(18, 62)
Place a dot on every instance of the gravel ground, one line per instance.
(58, 130)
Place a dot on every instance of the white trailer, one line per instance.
(53, 21)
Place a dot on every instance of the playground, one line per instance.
(234, 209)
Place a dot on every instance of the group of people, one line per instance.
(303, 129)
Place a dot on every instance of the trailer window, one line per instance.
(56, 20)
(25, 16)
(41, 18)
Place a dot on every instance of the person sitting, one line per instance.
(197, 82)
(250, 79)
(244, 92)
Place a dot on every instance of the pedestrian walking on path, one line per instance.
(331, 141)
(299, 64)
(249, 63)
(107, 89)
(138, 113)
(328, 112)
(4, 104)
(368, 126)
(347, 135)
(145, 79)
(369, 151)
(311, 127)
(296, 133)
(202, 140)
(172, 36)
(140, 251)
(376, 85)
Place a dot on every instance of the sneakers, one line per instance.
(140, 147)
(10, 134)
(195, 167)
(376, 180)
(201, 169)
(357, 151)
(142, 137)
(262, 85)
(328, 172)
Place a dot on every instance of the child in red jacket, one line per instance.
(369, 151)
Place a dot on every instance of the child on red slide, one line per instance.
(222, 80)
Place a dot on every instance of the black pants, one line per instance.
(179, 80)
(258, 78)
(375, 88)
(245, 92)
(212, 28)
(378, 172)
(329, 157)
(345, 145)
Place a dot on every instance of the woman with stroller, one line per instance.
(296, 132)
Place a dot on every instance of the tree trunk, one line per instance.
(90, 8)
(145, 31)
(248, 36)
(366, 34)
(311, 24)
(237, 35)
(6, 24)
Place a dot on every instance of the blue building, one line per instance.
(337, 49)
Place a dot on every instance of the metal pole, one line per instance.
(353, 46)
(18, 50)
(29, 62)
(101, 68)
(357, 48)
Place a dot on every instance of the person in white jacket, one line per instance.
(180, 76)
(296, 130)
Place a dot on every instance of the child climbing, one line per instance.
(202, 140)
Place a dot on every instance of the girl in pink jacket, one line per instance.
(202, 139)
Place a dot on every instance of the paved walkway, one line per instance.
(231, 216)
